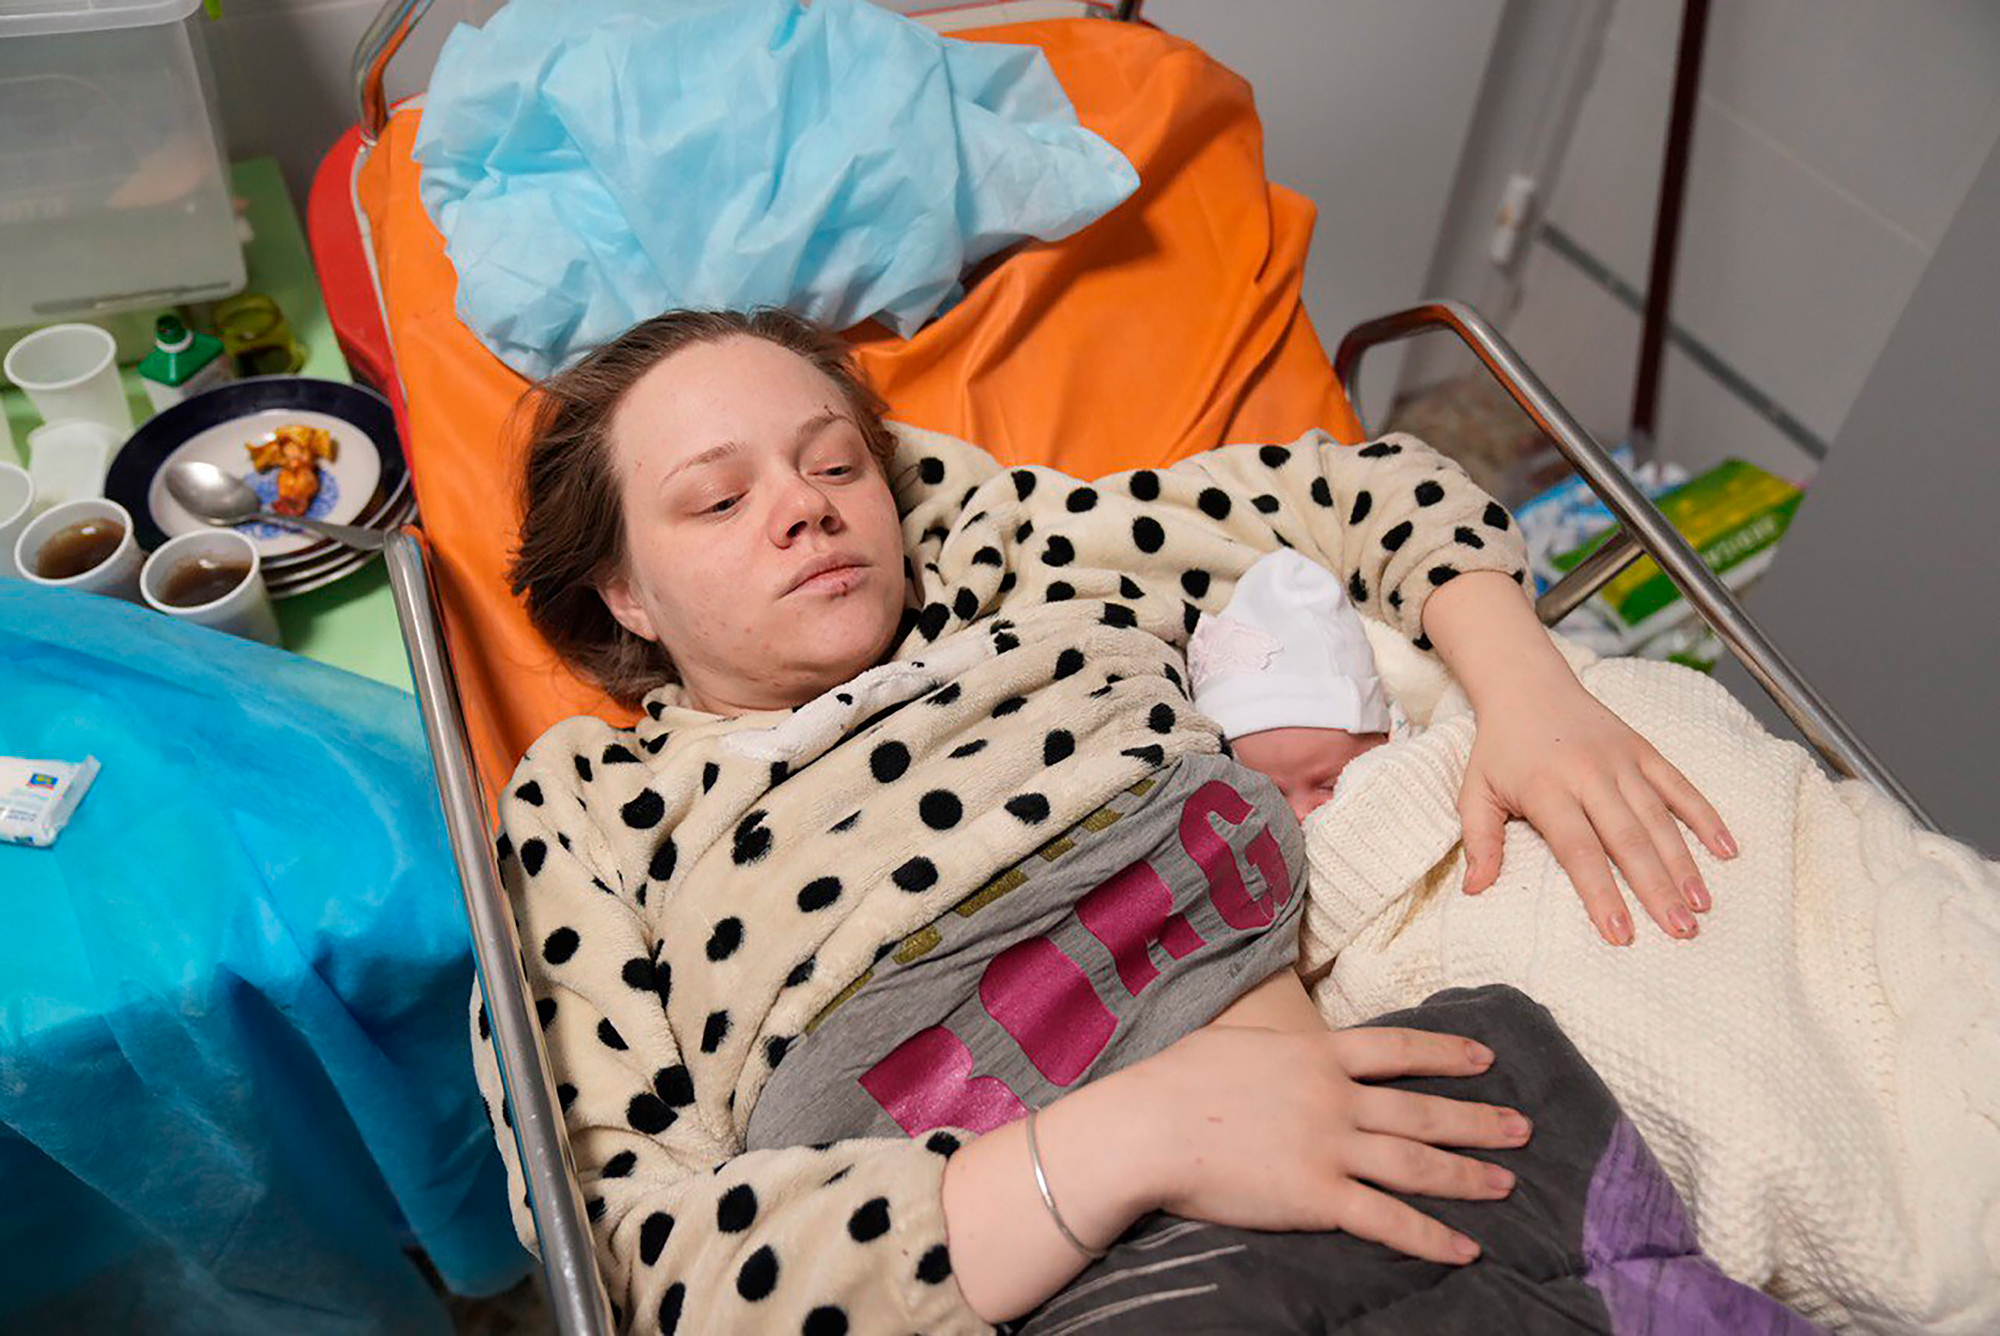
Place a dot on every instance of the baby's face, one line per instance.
(1303, 762)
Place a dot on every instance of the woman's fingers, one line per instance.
(1671, 846)
(1630, 845)
(1402, 1165)
(1438, 1121)
(1571, 837)
(1368, 1214)
(1484, 823)
(1687, 803)
(1383, 1052)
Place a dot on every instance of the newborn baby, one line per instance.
(1285, 669)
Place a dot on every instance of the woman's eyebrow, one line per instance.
(811, 427)
(708, 456)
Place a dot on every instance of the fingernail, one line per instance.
(1464, 1248)
(1501, 1180)
(1727, 841)
(1516, 1125)
(1478, 1054)
(1697, 895)
(1681, 922)
(1618, 927)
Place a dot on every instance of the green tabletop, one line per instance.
(350, 623)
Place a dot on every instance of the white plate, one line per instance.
(346, 483)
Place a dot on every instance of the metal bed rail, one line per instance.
(1642, 530)
(569, 1261)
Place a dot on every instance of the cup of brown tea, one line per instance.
(212, 578)
(85, 544)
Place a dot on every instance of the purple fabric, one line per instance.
(1642, 1258)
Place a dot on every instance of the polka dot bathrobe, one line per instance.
(693, 891)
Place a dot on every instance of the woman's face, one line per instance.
(762, 544)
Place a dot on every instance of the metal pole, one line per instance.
(1641, 519)
(1594, 572)
(384, 36)
(569, 1260)
(1667, 224)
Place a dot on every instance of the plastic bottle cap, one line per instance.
(170, 335)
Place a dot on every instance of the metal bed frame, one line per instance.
(575, 1287)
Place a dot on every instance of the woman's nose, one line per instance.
(801, 509)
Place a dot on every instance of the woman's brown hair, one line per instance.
(572, 525)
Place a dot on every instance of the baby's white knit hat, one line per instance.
(1287, 652)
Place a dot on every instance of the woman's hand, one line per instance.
(1591, 786)
(1549, 751)
(1273, 1130)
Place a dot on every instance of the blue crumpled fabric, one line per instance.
(235, 1079)
(593, 164)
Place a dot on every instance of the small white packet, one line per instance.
(37, 797)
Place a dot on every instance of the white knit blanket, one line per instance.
(1819, 1071)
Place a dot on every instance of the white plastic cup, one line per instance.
(68, 459)
(117, 576)
(17, 507)
(71, 371)
(244, 611)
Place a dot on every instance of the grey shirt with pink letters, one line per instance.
(1134, 927)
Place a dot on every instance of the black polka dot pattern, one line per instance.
(737, 1210)
(714, 1030)
(919, 874)
(759, 1275)
(940, 809)
(647, 1114)
(560, 945)
(644, 811)
(888, 762)
(670, 1308)
(1030, 808)
(818, 894)
(826, 1320)
(934, 1267)
(653, 1235)
(725, 939)
(870, 1222)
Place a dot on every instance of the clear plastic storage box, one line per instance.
(114, 192)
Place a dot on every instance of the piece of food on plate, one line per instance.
(295, 451)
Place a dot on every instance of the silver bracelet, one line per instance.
(1049, 1198)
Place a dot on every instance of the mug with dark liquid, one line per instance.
(212, 578)
(86, 545)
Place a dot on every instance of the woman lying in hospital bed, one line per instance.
(920, 834)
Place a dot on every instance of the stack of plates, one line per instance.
(365, 483)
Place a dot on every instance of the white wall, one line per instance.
(1834, 142)
(281, 72)
(1366, 106)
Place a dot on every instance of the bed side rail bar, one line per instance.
(1642, 530)
(576, 1292)
(385, 35)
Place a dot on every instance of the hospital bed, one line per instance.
(487, 688)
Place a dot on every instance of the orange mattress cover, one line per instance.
(1171, 325)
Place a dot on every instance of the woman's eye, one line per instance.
(837, 470)
(722, 507)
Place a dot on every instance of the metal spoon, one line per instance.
(213, 495)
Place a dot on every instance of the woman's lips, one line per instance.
(832, 575)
